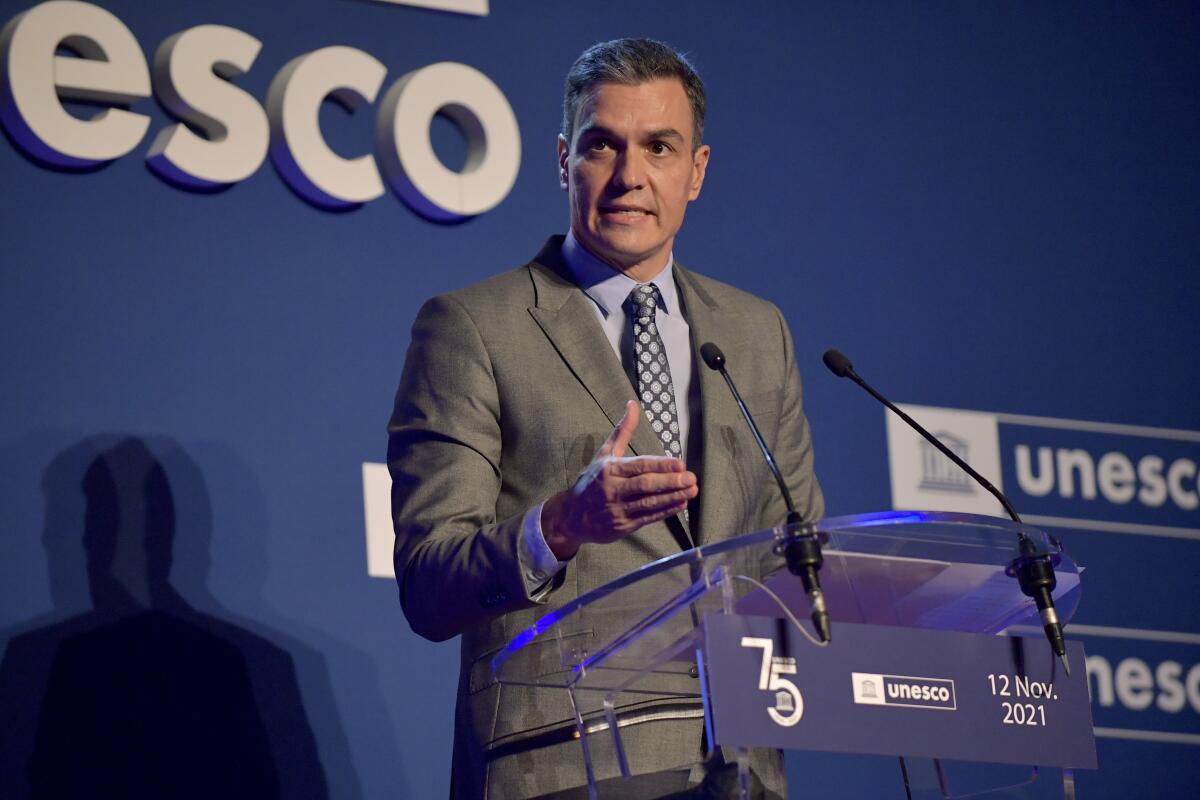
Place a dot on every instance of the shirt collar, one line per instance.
(607, 287)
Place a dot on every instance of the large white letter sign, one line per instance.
(406, 153)
(477, 7)
(192, 70)
(298, 149)
(110, 69)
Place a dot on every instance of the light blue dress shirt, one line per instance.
(608, 289)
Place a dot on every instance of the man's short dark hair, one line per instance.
(630, 62)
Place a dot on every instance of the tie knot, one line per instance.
(644, 299)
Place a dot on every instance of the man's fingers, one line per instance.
(654, 502)
(655, 515)
(633, 466)
(618, 440)
(625, 428)
(655, 483)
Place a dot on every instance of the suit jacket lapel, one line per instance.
(564, 314)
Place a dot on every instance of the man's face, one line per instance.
(630, 172)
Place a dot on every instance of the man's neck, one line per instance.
(645, 271)
(642, 271)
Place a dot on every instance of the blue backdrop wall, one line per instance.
(988, 206)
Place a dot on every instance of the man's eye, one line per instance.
(659, 148)
(599, 144)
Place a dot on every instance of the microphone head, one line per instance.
(838, 363)
(712, 355)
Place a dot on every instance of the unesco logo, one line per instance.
(940, 473)
(873, 689)
(922, 477)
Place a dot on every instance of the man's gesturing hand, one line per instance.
(616, 494)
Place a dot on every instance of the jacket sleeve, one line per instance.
(457, 566)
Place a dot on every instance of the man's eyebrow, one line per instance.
(664, 133)
(591, 129)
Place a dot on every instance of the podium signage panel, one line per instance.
(897, 691)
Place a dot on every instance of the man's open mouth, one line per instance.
(624, 211)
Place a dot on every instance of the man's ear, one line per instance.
(699, 167)
(564, 152)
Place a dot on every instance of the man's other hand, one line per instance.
(616, 494)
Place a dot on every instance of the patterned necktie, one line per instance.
(653, 372)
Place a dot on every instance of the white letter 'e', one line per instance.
(110, 69)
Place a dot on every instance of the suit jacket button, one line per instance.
(693, 670)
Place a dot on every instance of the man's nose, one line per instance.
(630, 172)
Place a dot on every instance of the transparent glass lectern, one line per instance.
(640, 637)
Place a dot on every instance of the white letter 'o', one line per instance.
(406, 154)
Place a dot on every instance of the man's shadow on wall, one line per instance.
(143, 696)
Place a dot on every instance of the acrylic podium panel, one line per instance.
(639, 637)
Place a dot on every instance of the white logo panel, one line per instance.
(923, 478)
(377, 508)
(478, 8)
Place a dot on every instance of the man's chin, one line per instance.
(620, 254)
(625, 261)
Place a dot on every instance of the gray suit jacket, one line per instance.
(508, 390)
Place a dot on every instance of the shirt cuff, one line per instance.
(538, 564)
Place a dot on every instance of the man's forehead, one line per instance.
(661, 103)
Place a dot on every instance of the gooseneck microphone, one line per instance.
(802, 550)
(1034, 572)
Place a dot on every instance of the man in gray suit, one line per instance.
(526, 472)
